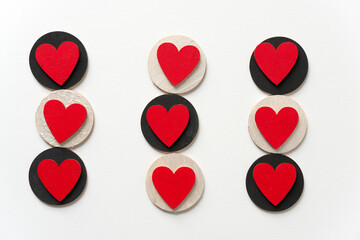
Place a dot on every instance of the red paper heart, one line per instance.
(168, 126)
(63, 122)
(274, 184)
(59, 63)
(276, 128)
(59, 180)
(177, 65)
(276, 63)
(173, 187)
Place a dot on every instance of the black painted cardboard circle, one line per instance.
(167, 101)
(291, 82)
(55, 39)
(58, 155)
(256, 195)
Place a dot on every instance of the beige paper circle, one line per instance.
(278, 102)
(67, 97)
(157, 75)
(175, 161)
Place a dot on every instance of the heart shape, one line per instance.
(59, 63)
(276, 128)
(173, 187)
(168, 126)
(59, 180)
(63, 122)
(274, 184)
(276, 63)
(177, 65)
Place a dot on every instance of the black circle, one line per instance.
(55, 39)
(58, 155)
(167, 101)
(292, 81)
(259, 199)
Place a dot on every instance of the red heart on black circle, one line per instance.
(276, 63)
(168, 126)
(59, 180)
(274, 184)
(59, 63)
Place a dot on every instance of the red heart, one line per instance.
(177, 65)
(58, 64)
(59, 180)
(168, 126)
(276, 128)
(276, 63)
(63, 122)
(274, 184)
(173, 187)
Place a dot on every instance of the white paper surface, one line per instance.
(118, 36)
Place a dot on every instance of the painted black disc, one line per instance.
(58, 155)
(55, 39)
(256, 195)
(291, 82)
(168, 101)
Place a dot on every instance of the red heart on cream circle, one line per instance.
(63, 123)
(173, 187)
(177, 65)
(276, 128)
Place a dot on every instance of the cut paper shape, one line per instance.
(276, 63)
(59, 63)
(187, 136)
(170, 180)
(177, 65)
(168, 126)
(274, 184)
(173, 187)
(63, 123)
(59, 180)
(60, 156)
(276, 128)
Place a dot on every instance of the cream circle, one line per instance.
(278, 102)
(174, 161)
(67, 97)
(159, 78)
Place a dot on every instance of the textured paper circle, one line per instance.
(174, 161)
(292, 196)
(294, 78)
(278, 102)
(67, 97)
(58, 155)
(56, 39)
(157, 75)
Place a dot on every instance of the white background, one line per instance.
(118, 36)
